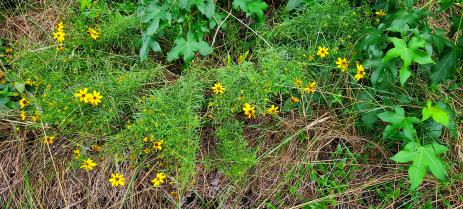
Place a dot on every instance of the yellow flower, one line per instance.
(95, 98)
(49, 140)
(360, 72)
(218, 88)
(147, 150)
(23, 102)
(380, 13)
(23, 115)
(83, 95)
(93, 33)
(76, 153)
(158, 145)
(59, 26)
(298, 82)
(59, 36)
(88, 164)
(322, 52)
(273, 110)
(145, 139)
(60, 47)
(249, 110)
(8, 50)
(116, 180)
(294, 99)
(95, 148)
(159, 179)
(311, 87)
(342, 64)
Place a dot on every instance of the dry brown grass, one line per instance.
(35, 24)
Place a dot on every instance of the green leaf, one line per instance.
(85, 4)
(292, 4)
(444, 68)
(148, 43)
(398, 121)
(423, 157)
(436, 147)
(416, 176)
(187, 48)
(206, 7)
(411, 53)
(437, 113)
(445, 4)
(251, 7)
(20, 87)
(403, 156)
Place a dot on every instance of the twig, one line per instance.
(218, 28)
(247, 26)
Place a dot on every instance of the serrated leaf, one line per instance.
(411, 53)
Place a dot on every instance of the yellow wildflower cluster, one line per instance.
(48, 140)
(93, 33)
(86, 97)
(153, 144)
(59, 36)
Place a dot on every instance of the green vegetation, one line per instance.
(231, 104)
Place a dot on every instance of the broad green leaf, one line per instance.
(148, 43)
(403, 156)
(187, 48)
(85, 4)
(207, 8)
(416, 176)
(433, 130)
(4, 100)
(251, 7)
(398, 121)
(436, 147)
(411, 53)
(445, 4)
(444, 67)
(434, 164)
(437, 113)
(390, 117)
(20, 87)
(292, 4)
(368, 109)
